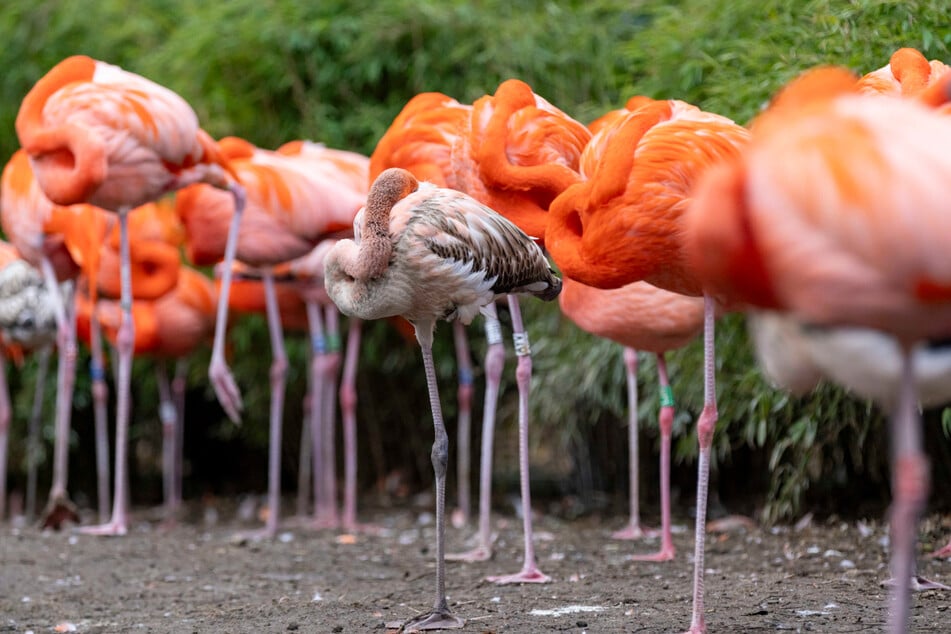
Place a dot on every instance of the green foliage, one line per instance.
(338, 72)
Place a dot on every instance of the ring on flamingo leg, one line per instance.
(530, 572)
(666, 425)
(125, 341)
(494, 364)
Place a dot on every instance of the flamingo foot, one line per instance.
(114, 528)
(226, 389)
(435, 620)
(529, 575)
(919, 584)
(666, 553)
(635, 531)
(58, 512)
(941, 553)
(479, 553)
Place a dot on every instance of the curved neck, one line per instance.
(376, 247)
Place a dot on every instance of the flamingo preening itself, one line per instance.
(428, 253)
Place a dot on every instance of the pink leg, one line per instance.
(329, 379)
(910, 484)
(59, 508)
(633, 530)
(5, 415)
(705, 426)
(523, 376)
(666, 424)
(463, 427)
(218, 372)
(304, 459)
(33, 431)
(169, 418)
(440, 617)
(278, 379)
(125, 340)
(348, 406)
(179, 386)
(325, 511)
(100, 397)
(494, 362)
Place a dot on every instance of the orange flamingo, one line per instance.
(429, 253)
(53, 238)
(864, 244)
(907, 73)
(640, 317)
(427, 138)
(101, 135)
(514, 152)
(27, 324)
(625, 224)
(292, 206)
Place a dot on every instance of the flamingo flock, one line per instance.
(827, 211)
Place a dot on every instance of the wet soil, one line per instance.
(202, 576)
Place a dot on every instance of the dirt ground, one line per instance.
(201, 577)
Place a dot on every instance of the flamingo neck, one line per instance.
(376, 247)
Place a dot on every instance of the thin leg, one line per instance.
(348, 406)
(218, 372)
(6, 414)
(910, 484)
(330, 370)
(633, 530)
(33, 430)
(179, 387)
(464, 424)
(169, 418)
(440, 618)
(100, 397)
(705, 426)
(304, 456)
(666, 424)
(324, 509)
(278, 381)
(494, 363)
(59, 508)
(523, 376)
(125, 341)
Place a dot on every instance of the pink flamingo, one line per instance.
(292, 206)
(101, 135)
(640, 317)
(864, 244)
(429, 253)
(625, 223)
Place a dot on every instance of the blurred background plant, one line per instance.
(339, 72)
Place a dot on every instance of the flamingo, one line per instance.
(302, 300)
(428, 253)
(27, 323)
(101, 135)
(640, 317)
(514, 152)
(427, 138)
(864, 244)
(907, 73)
(625, 223)
(295, 200)
(62, 242)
